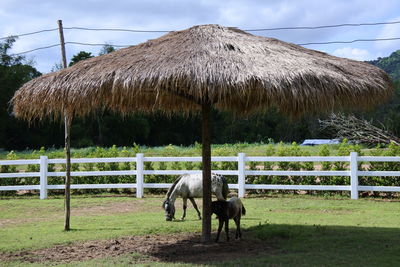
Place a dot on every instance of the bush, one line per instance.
(280, 149)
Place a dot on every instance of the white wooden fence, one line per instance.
(241, 172)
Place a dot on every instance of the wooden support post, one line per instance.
(62, 43)
(206, 154)
(67, 121)
(67, 207)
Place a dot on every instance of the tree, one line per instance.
(390, 64)
(82, 55)
(106, 49)
(15, 71)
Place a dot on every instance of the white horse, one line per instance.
(189, 186)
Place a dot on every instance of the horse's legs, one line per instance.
(195, 206)
(220, 224)
(227, 229)
(184, 208)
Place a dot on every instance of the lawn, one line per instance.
(292, 230)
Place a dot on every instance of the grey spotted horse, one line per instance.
(189, 186)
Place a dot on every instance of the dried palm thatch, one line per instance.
(231, 69)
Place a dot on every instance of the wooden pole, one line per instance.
(62, 43)
(67, 121)
(206, 154)
(67, 205)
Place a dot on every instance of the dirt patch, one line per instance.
(163, 248)
(129, 206)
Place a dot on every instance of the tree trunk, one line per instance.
(206, 154)
(67, 206)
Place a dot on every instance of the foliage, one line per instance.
(15, 71)
(390, 64)
(280, 149)
(392, 151)
(82, 55)
(106, 49)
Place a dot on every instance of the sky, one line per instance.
(24, 16)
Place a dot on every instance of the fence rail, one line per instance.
(353, 159)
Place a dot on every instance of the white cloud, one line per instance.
(30, 16)
(353, 53)
(389, 31)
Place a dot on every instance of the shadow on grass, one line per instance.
(291, 245)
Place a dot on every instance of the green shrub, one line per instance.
(390, 151)
(188, 165)
(9, 168)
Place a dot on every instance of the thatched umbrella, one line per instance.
(199, 68)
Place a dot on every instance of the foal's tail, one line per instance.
(243, 210)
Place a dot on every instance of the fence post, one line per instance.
(354, 175)
(43, 176)
(139, 175)
(241, 174)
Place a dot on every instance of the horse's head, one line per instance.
(169, 208)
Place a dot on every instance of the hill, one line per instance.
(390, 64)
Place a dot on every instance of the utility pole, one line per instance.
(67, 120)
(62, 43)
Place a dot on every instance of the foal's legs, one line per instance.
(238, 231)
(220, 224)
(184, 208)
(227, 229)
(195, 206)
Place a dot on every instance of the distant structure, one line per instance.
(315, 142)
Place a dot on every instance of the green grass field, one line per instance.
(299, 230)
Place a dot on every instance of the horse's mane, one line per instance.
(173, 187)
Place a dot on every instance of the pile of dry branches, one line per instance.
(357, 130)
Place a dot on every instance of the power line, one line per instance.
(352, 41)
(40, 48)
(89, 44)
(29, 33)
(116, 30)
(303, 44)
(310, 43)
(324, 26)
(249, 30)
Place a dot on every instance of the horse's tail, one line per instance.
(243, 210)
(225, 188)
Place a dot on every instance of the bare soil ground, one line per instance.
(162, 248)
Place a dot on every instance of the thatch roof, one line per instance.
(232, 69)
